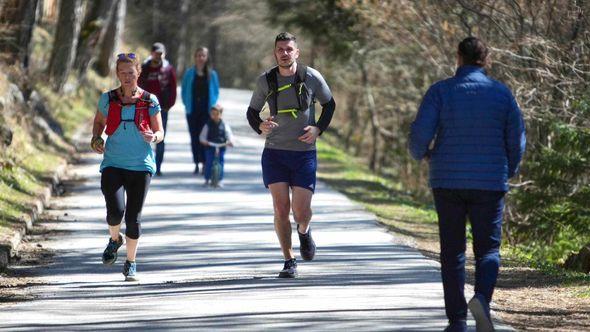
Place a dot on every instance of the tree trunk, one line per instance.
(214, 31)
(351, 109)
(155, 20)
(92, 33)
(181, 42)
(39, 15)
(374, 125)
(18, 19)
(66, 41)
(110, 43)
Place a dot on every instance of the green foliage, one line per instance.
(329, 23)
(554, 215)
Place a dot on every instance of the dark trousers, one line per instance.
(160, 147)
(115, 183)
(484, 209)
(196, 122)
(209, 157)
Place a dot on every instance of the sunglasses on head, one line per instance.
(126, 55)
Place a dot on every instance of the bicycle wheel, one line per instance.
(215, 173)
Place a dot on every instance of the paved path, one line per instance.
(208, 258)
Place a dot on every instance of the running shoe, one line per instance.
(480, 310)
(289, 270)
(456, 326)
(306, 245)
(109, 255)
(130, 271)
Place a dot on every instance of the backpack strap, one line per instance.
(273, 88)
(145, 96)
(113, 96)
(300, 78)
(301, 73)
(271, 81)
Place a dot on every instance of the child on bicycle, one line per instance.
(215, 136)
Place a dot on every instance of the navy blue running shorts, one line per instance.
(297, 168)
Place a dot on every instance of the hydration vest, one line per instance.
(142, 113)
(216, 132)
(304, 97)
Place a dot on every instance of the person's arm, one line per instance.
(98, 125)
(322, 91)
(141, 81)
(256, 103)
(203, 135)
(156, 135)
(229, 135)
(254, 119)
(326, 116)
(425, 125)
(214, 86)
(515, 137)
(172, 86)
(185, 91)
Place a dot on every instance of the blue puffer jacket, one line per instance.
(478, 131)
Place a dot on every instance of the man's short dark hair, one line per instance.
(285, 36)
(473, 51)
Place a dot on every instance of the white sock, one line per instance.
(306, 230)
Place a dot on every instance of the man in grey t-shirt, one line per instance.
(289, 159)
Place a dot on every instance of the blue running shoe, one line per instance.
(306, 245)
(109, 255)
(130, 271)
(480, 309)
(289, 269)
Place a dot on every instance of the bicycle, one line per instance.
(216, 165)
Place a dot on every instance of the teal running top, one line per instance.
(126, 148)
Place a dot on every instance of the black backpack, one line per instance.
(304, 97)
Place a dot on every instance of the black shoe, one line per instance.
(158, 173)
(306, 245)
(196, 171)
(109, 255)
(456, 326)
(289, 270)
(480, 309)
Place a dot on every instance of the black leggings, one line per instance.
(115, 183)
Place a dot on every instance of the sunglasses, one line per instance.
(126, 55)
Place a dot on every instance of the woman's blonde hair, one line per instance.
(128, 58)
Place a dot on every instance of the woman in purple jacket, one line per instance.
(479, 140)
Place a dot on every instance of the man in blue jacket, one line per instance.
(479, 140)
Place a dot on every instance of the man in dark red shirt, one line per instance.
(159, 77)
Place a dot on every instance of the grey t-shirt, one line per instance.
(285, 136)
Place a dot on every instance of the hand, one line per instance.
(148, 136)
(312, 132)
(268, 125)
(230, 144)
(97, 144)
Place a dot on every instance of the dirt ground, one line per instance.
(15, 280)
(530, 300)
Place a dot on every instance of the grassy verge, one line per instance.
(403, 215)
(393, 207)
(28, 163)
